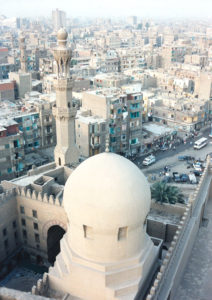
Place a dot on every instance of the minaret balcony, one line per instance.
(64, 112)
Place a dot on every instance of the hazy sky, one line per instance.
(93, 8)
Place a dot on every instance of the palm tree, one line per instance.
(164, 193)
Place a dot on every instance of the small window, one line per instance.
(122, 233)
(22, 210)
(37, 238)
(4, 231)
(6, 244)
(35, 226)
(14, 224)
(34, 213)
(16, 235)
(24, 233)
(23, 222)
(88, 232)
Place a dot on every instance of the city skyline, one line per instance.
(152, 8)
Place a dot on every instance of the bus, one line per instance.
(200, 143)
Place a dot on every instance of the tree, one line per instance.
(164, 193)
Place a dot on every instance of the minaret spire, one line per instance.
(66, 151)
(23, 58)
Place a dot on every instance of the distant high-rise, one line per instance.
(59, 19)
(132, 20)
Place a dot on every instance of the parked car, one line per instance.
(197, 173)
(149, 160)
(186, 157)
(192, 178)
(198, 166)
(176, 177)
(184, 178)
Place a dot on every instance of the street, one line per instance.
(170, 157)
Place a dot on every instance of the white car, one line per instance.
(149, 160)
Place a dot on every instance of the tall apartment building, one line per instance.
(11, 149)
(43, 106)
(122, 113)
(29, 124)
(91, 134)
(58, 19)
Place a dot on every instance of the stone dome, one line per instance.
(62, 34)
(107, 199)
(22, 39)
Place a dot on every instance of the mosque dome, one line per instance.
(62, 34)
(107, 199)
(22, 39)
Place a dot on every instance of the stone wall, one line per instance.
(173, 265)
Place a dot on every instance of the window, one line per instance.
(14, 224)
(22, 210)
(16, 235)
(24, 233)
(88, 232)
(122, 233)
(35, 226)
(6, 244)
(4, 231)
(34, 213)
(23, 222)
(37, 238)
(9, 170)
(7, 146)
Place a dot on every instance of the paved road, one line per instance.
(170, 157)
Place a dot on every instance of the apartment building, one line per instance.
(181, 114)
(7, 90)
(43, 106)
(122, 113)
(91, 134)
(29, 124)
(11, 149)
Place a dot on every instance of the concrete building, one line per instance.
(122, 112)
(58, 19)
(11, 150)
(7, 90)
(91, 134)
(29, 124)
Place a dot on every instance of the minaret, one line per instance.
(66, 151)
(23, 58)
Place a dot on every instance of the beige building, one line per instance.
(91, 134)
(121, 110)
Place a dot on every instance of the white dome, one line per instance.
(107, 199)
